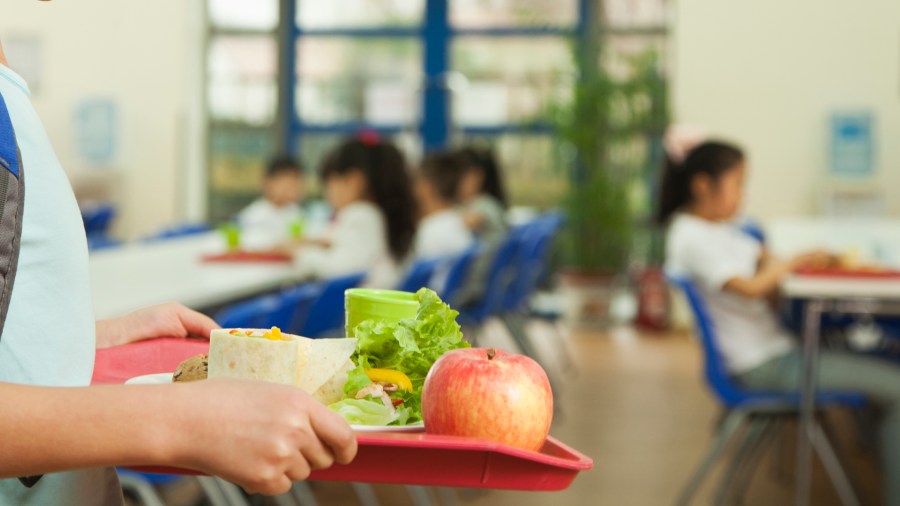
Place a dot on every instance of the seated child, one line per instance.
(481, 195)
(368, 185)
(700, 197)
(269, 220)
(442, 230)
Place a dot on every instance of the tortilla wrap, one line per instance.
(333, 389)
(276, 361)
(325, 359)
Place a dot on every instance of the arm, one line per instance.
(165, 320)
(771, 272)
(259, 435)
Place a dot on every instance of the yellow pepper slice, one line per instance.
(390, 376)
(274, 334)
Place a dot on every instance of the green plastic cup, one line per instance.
(361, 304)
(232, 235)
(296, 228)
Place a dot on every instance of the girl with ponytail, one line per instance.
(368, 185)
(699, 199)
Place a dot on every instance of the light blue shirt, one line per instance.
(49, 336)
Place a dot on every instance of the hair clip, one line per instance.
(369, 137)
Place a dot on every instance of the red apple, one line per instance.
(488, 394)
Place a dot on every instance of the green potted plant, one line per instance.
(609, 147)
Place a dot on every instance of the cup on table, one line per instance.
(296, 228)
(232, 235)
(361, 304)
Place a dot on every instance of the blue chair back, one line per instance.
(97, 242)
(754, 230)
(284, 310)
(97, 219)
(420, 274)
(183, 230)
(533, 258)
(501, 277)
(729, 393)
(457, 274)
(326, 313)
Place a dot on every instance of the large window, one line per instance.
(298, 75)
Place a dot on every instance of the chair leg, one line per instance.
(566, 357)
(447, 496)
(144, 490)
(755, 428)
(832, 464)
(421, 496)
(745, 473)
(728, 428)
(519, 335)
(213, 491)
(303, 494)
(365, 494)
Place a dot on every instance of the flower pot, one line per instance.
(587, 298)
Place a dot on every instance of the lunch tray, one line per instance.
(383, 457)
(849, 274)
(249, 257)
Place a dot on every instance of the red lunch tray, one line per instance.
(383, 457)
(249, 257)
(845, 273)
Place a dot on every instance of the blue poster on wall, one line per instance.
(96, 130)
(852, 144)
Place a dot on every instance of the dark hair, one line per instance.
(483, 159)
(283, 164)
(389, 185)
(444, 171)
(711, 158)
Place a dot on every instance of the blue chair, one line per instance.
(457, 273)
(420, 274)
(325, 316)
(761, 411)
(286, 309)
(182, 230)
(97, 242)
(97, 218)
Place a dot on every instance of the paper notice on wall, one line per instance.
(96, 131)
(852, 144)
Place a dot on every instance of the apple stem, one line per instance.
(491, 353)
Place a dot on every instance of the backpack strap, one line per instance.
(12, 195)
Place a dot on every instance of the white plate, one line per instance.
(416, 427)
(164, 378)
(161, 378)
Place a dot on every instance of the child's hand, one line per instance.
(164, 320)
(259, 435)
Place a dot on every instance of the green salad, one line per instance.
(392, 360)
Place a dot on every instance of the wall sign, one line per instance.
(852, 144)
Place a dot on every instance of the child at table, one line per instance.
(368, 185)
(700, 196)
(442, 230)
(481, 195)
(270, 219)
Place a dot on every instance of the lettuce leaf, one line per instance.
(412, 345)
(364, 412)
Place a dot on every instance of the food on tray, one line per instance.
(192, 369)
(391, 360)
(315, 365)
(489, 394)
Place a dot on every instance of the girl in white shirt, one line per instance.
(368, 185)
(700, 197)
(481, 195)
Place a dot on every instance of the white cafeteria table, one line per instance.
(839, 294)
(137, 275)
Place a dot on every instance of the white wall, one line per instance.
(768, 73)
(143, 56)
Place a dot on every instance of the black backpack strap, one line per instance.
(12, 195)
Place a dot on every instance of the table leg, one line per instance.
(806, 430)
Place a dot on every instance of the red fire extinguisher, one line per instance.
(653, 299)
